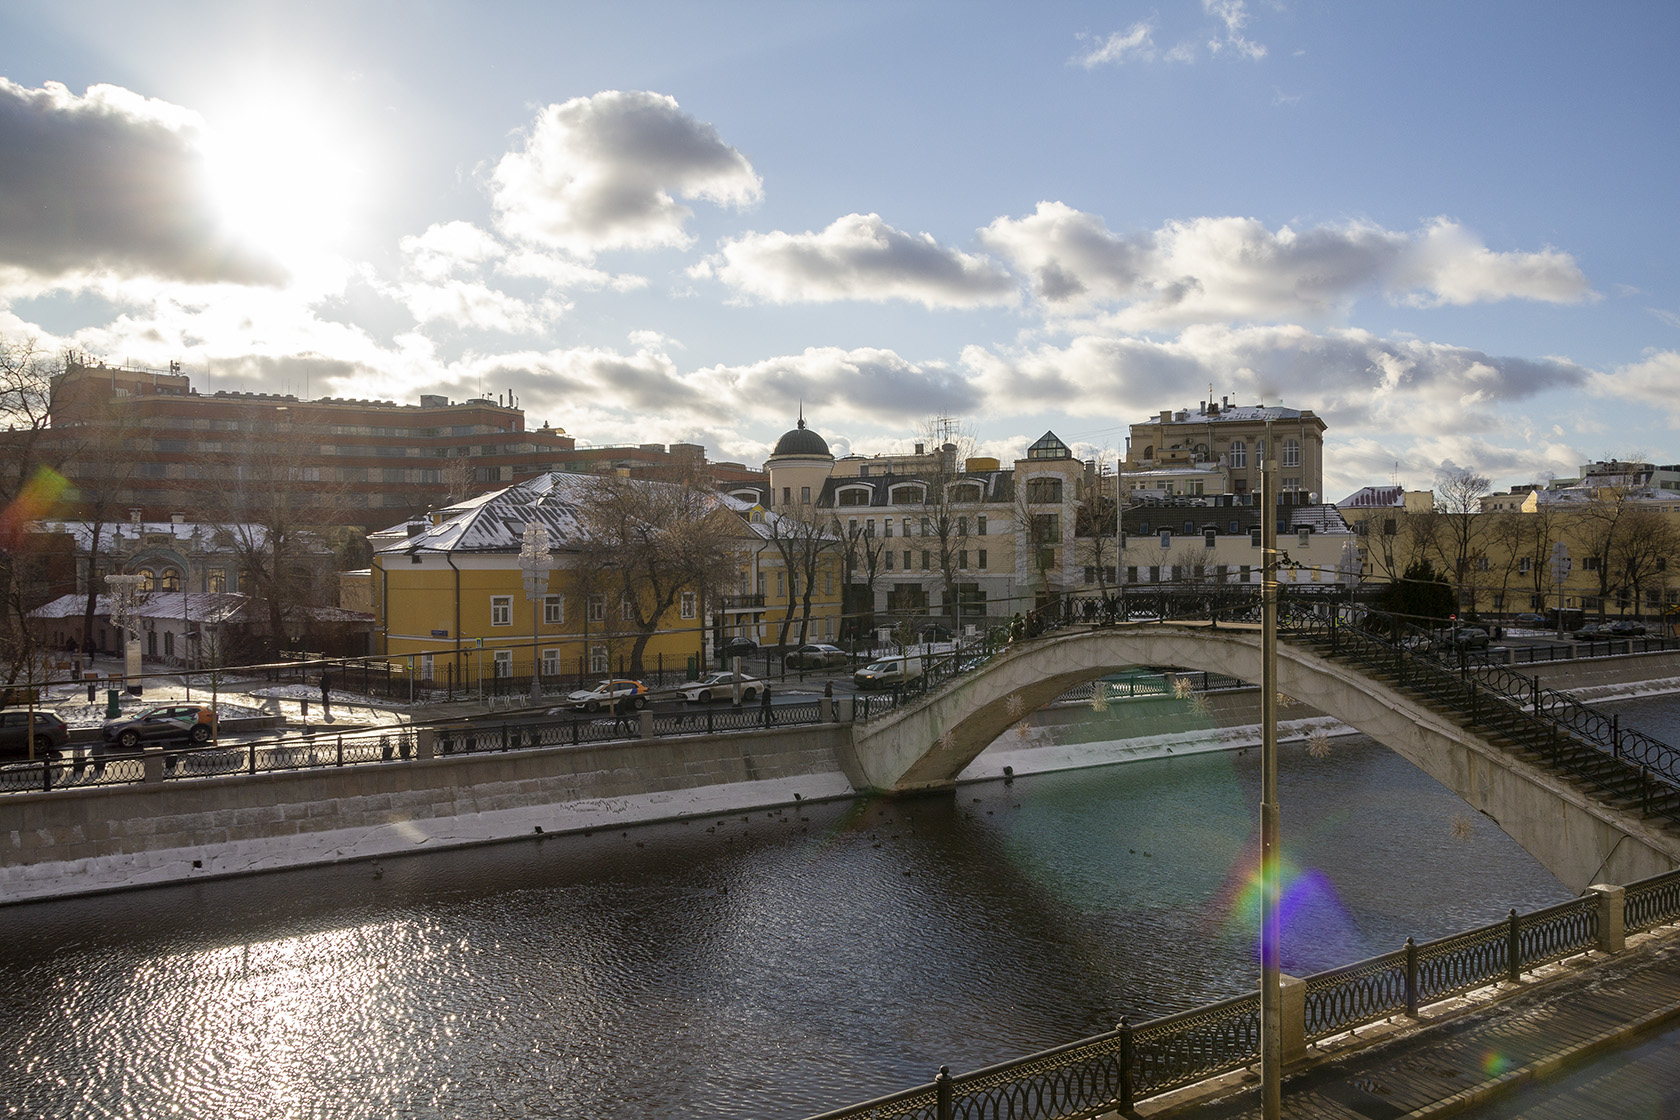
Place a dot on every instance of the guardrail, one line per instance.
(1115, 1070)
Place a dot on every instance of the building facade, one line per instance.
(1218, 449)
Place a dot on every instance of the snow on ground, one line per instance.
(83, 714)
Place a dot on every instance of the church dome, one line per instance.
(801, 441)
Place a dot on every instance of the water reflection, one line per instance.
(759, 965)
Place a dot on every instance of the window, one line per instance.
(962, 558)
(1209, 538)
(927, 527)
(851, 526)
(1291, 452)
(869, 527)
(501, 610)
(599, 662)
(886, 528)
(907, 555)
(854, 497)
(781, 584)
(597, 608)
(962, 526)
(1046, 527)
(981, 560)
(980, 526)
(687, 605)
(425, 666)
(1254, 538)
(1166, 538)
(554, 610)
(1239, 453)
(503, 663)
(1043, 491)
(169, 643)
(761, 582)
(805, 495)
(551, 663)
(216, 580)
(1154, 573)
(148, 579)
(887, 556)
(926, 560)
(1291, 483)
(626, 610)
(1189, 528)
(1131, 573)
(1589, 563)
(787, 495)
(907, 526)
(1303, 537)
(1235, 528)
(171, 579)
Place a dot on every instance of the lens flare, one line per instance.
(1315, 927)
(36, 500)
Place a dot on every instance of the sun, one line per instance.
(283, 175)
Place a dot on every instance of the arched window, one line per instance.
(148, 579)
(171, 579)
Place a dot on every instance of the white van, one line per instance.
(888, 672)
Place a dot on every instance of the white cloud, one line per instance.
(858, 257)
(448, 248)
(835, 385)
(1223, 269)
(1233, 15)
(110, 183)
(1136, 42)
(605, 172)
(1653, 382)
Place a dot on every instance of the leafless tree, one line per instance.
(950, 503)
(860, 565)
(1646, 545)
(1460, 527)
(802, 541)
(652, 541)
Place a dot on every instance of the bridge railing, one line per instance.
(1116, 1069)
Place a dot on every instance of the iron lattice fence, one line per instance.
(1114, 1070)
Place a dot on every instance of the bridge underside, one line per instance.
(1578, 839)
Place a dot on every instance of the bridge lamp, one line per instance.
(535, 562)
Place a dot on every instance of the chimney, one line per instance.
(134, 517)
(177, 519)
(1166, 417)
(921, 449)
(415, 528)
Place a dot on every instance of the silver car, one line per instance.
(721, 686)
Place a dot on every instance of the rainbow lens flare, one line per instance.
(36, 500)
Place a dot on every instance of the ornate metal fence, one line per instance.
(1114, 1070)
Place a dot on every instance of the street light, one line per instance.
(125, 595)
(535, 561)
(1271, 991)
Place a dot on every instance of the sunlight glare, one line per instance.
(283, 175)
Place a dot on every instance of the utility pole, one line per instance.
(1271, 997)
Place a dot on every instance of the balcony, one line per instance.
(741, 602)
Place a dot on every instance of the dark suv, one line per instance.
(51, 735)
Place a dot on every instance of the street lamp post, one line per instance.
(535, 561)
(1271, 992)
(125, 594)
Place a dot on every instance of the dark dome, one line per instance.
(801, 441)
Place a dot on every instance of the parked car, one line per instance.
(721, 686)
(50, 735)
(1463, 637)
(934, 633)
(1530, 620)
(888, 672)
(739, 647)
(1626, 628)
(192, 723)
(608, 693)
(815, 657)
(1592, 632)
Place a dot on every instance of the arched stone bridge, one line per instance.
(922, 747)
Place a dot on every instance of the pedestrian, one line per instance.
(326, 694)
(622, 708)
(764, 703)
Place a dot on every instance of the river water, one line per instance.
(769, 964)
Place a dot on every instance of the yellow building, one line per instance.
(473, 594)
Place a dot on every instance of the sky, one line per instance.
(1447, 228)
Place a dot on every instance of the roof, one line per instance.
(801, 441)
(1235, 413)
(1048, 446)
(1375, 497)
(200, 606)
(495, 522)
(183, 532)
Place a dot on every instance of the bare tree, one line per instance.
(800, 536)
(1094, 531)
(1644, 548)
(267, 520)
(30, 457)
(652, 541)
(1600, 534)
(1459, 526)
(860, 565)
(1040, 530)
(950, 503)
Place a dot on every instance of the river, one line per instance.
(768, 964)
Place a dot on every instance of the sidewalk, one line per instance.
(1463, 1064)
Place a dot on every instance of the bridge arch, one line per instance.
(1580, 840)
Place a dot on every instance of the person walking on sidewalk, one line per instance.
(326, 694)
(764, 704)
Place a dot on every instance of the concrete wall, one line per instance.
(77, 841)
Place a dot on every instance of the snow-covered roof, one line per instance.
(1375, 497)
(199, 606)
(181, 532)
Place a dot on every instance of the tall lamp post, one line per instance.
(1271, 992)
(535, 561)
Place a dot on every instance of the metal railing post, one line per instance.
(253, 768)
(1513, 947)
(341, 750)
(1411, 978)
(1126, 1058)
(1616, 735)
(942, 1092)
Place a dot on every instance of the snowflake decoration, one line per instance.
(1318, 744)
(1022, 730)
(1462, 829)
(1182, 687)
(1014, 705)
(1284, 700)
(1099, 697)
(1199, 704)
(946, 741)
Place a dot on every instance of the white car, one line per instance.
(608, 693)
(721, 686)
